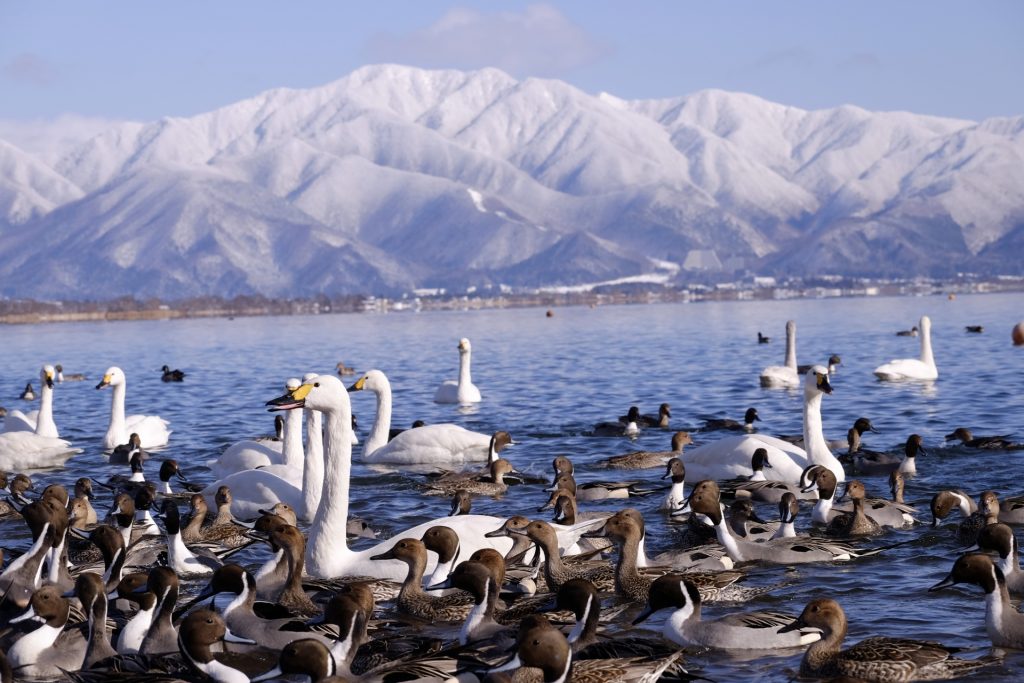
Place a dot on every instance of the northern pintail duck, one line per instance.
(91, 590)
(967, 438)
(944, 502)
(557, 572)
(179, 557)
(726, 424)
(42, 653)
(855, 523)
(885, 513)
(630, 426)
(292, 596)
(500, 440)
(129, 640)
(28, 393)
(542, 646)
(69, 377)
(1000, 539)
(411, 599)
(757, 486)
(789, 508)
(169, 375)
(745, 523)
(497, 486)
(83, 490)
(762, 339)
(122, 453)
(199, 631)
(1011, 510)
(638, 460)
(476, 579)
(462, 503)
(222, 531)
(660, 420)
(16, 486)
(987, 513)
(599, 490)
(705, 500)
(974, 329)
(676, 498)
(1005, 625)
(445, 542)
(874, 462)
(834, 361)
(749, 631)
(874, 659)
(162, 636)
(912, 332)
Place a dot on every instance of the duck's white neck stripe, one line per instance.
(581, 623)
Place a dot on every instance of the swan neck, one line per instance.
(926, 347)
(44, 421)
(313, 471)
(117, 424)
(291, 450)
(791, 348)
(464, 361)
(817, 448)
(327, 536)
(382, 422)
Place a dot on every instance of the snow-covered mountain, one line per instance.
(393, 178)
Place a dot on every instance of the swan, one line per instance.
(249, 454)
(436, 444)
(150, 428)
(38, 421)
(327, 553)
(41, 446)
(784, 376)
(922, 368)
(462, 390)
(731, 457)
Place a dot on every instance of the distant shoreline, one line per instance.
(29, 312)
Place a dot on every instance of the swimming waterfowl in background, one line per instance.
(660, 420)
(28, 393)
(461, 390)
(912, 332)
(344, 370)
(749, 418)
(922, 368)
(784, 376)
(834, 362)
(975, 329)
(122, 453)
(70, 377)
(150, 428)
(761, 339)
(967, 438)
(873, 659)
(628, 427)
(171, 375)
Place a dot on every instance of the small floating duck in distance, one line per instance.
(912, 332)
(172, 375)
(976, 329)
(29, 394)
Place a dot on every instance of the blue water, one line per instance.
(546, 380)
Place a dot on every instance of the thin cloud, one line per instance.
(539, 41)
(861, 61)
(31, 69)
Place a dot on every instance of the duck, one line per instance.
(974, 329)
(873, 462)
(676, 498)
(462, 503)
(162, 636)
(834, 361)
(944, 502)
(629, 426)
(557, 572)
(179, 557)
(199, 631)
(784, 376)
(433, 444)
(44, 652)
(638, 460)
(750, 631)
(725, 424)
(129, 640)
(28, 393)
(152, 429)
(122, 453)
(761, 339)
(922, 368)
(412, 600)
(999, 443)
(855, 523)
(476, 579)
(38, 421)
(496, 487)
(327, 553)
(70, 377)
(897, 483)
(660, 420)
(730, 457)
(1005, 625)
(789, 508)
(874, 659)
(884, 512)
(171, 375)
(539, 645)
(758, 487)
(1000, 539)
(912, 332)
(987, 513)
(462, 390)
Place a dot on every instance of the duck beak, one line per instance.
(389, 555)
(945, 583)
(792, 626)
(497, 533)
(291, 400)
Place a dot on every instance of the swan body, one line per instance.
(327, 553)
(27, 450)
(436, 444)
(152, 429)
(461, 390)
(731, 457)
(922, 368)
(784, 376)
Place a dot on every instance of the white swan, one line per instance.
(249, 454)
(462, 390)
(41, 446)
(327, 554)
(150, 428)
(784, 375)
(922, 368)
(731, 457)
(439, 444)
(38, 421)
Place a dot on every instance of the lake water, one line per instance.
(546, 380)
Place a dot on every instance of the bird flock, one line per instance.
(141, 576)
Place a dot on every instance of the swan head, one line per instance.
(374, 380)
(46, 375)
(464, 346)
(323, 393)
(925, 325)
(816, 381)
(113, 377)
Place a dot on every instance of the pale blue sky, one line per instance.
(142, 60)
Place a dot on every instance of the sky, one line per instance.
(118, 60)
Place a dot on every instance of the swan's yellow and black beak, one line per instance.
(105, 382)
(296, 398)
(823, 384)
(359, 385)
(48, 378)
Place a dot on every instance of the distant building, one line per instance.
(702, 259)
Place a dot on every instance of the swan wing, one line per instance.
(27, 450)
(441, 444)
(17, 421)
(729, 458)
(152, 429)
